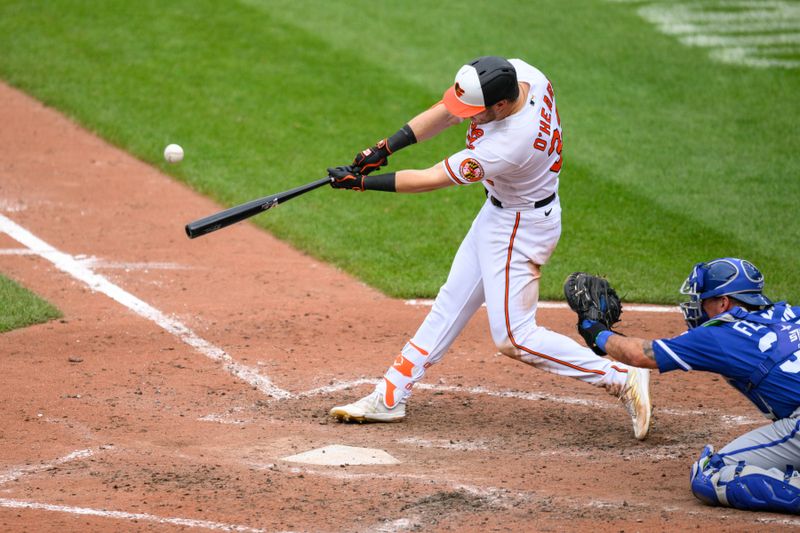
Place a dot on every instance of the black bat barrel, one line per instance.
(240, 212)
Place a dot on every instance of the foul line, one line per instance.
(96, 282)
(16, 251)
(121, 515)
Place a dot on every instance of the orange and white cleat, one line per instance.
(370, 408)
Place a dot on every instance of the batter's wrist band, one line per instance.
(602, 339)
(404, 137)
(380, 182)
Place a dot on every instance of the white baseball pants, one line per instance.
(498, 263)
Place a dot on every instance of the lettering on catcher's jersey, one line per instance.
(471, 170)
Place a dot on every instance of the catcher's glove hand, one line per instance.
(596, 303)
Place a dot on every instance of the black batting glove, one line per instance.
(346, 177)
(589, 330)
(372, 158)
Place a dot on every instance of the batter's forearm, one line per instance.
(432, 121)
(631, 351)
(408, 181)
(430, 179)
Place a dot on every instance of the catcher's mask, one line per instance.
(729, 276)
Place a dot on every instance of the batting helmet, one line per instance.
(481, 84)
(729, 276)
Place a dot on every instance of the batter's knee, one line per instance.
(507, 348)
(508, 342)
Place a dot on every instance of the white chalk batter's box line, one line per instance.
(235, 415)
(563, 305)
(123, 515)
(252, 376)
(83, 272)
(15, 473)
(95, 262)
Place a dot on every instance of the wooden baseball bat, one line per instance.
(238, 213)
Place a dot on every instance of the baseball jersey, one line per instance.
(758, 353)
(518, 158)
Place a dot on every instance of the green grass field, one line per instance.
(670, 158)
(19, 307)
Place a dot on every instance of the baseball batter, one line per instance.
(514, 149)
(737, 332)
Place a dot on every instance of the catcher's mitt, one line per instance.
(592, 298)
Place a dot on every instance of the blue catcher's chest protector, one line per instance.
(779, 347)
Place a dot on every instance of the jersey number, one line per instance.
(546, 117)
(792, 367)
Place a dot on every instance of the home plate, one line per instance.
(343, 455)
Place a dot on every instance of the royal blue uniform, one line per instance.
(734, 344)
(759, 354)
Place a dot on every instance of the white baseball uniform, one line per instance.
(518, 160)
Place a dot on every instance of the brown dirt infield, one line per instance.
(110, 422)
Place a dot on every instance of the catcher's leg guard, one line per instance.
(756, 489)
(744, 487)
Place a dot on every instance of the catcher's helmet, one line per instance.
(728, 276)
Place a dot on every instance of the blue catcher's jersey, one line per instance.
(758, 353)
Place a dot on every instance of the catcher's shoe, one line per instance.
(370, 408)
(636, 398)
(703, 461)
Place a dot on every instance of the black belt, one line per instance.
(536, 205)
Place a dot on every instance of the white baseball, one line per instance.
(173, 153)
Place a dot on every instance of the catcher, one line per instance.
(737, 332)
